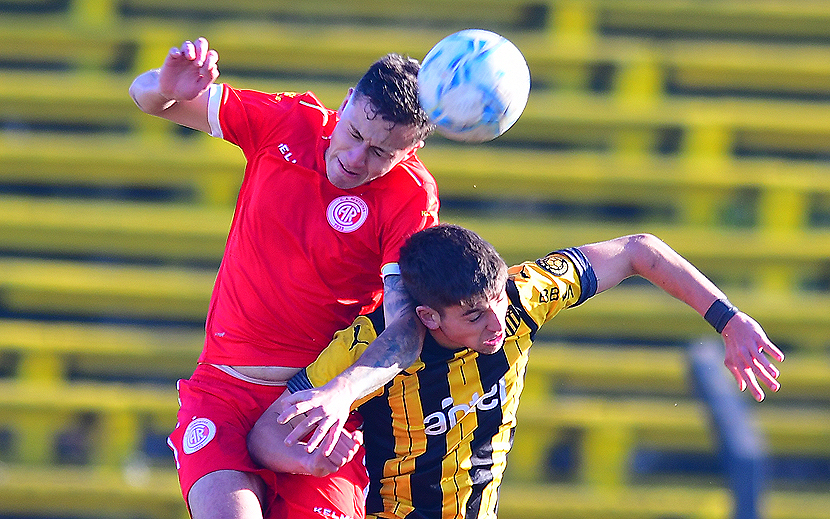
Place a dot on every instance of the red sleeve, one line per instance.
(248, 117)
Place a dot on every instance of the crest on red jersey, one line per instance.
(347, 213)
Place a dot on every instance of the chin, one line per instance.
(487, 349)
(340, 182)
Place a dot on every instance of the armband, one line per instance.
(719, 314)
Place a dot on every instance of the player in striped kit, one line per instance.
(437, 436)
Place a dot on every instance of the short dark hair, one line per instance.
(391, 85)
(447, 265)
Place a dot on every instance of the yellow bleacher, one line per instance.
(635, 104)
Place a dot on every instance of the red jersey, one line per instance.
(303, 258)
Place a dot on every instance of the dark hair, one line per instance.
(446, 265)
(391, 85)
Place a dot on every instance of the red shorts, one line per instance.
(216, 413)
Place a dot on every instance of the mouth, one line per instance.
(346, 170)
(496, 340)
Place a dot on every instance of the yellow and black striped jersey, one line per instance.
(437, 436)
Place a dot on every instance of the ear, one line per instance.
(345, 102)
(430, 317)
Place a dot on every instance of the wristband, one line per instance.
(719, 314)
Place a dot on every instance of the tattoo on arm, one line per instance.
(397, 347)
(396, 300)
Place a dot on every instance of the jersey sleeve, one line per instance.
(562, 279)
(344, 349)
(246, 117)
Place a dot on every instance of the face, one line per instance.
(480, 327)
(364, 148)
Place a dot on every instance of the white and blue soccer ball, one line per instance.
(474, 85)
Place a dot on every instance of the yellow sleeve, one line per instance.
(550, 284)
(344, 349)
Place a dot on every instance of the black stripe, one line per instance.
(379, 443)
(427, 494)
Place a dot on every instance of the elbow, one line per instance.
(646, 252)
(134, 92)
(644, 242)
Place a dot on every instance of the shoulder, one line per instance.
(303, 104)
(407, 180)
(559, 280)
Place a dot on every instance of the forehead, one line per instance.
(359, 115)
(470, 307)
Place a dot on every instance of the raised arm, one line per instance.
(176, 91)
(747, 345)
(395, 349)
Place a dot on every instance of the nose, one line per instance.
(494, 323)
(357, 155)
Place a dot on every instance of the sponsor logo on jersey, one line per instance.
(330, 514)
(347, 213)
(198, 434)
(451, 413)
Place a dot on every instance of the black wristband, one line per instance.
(719, 314)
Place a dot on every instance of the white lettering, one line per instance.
(486, 405)
(435, 424)
(440, 422)
(330, 514)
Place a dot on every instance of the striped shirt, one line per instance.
(437, 435)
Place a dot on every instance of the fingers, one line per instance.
(201, 48)
(773, 350)
(753, 385)
(325, 436)
(329, 441)
(301, 430)
(744, 373)
(768, 373)
(738, 376)
(346, 448)
(290, 411)
(198, 51)
(748, 373)
(748, 353)
(209, 68)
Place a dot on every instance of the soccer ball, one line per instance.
(474, 85)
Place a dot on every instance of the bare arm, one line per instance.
(266, 444)
(395, 349)
(177, 90)
(747, 346)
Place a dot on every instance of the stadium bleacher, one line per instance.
(705, 123)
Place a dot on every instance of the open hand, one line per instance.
(188, 71)
(326, 410)
(747, 348)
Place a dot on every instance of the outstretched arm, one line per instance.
(176, 91)
(395, 349)
(747, 346)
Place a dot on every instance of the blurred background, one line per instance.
(704, 122)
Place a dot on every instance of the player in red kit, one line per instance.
(327, 199)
